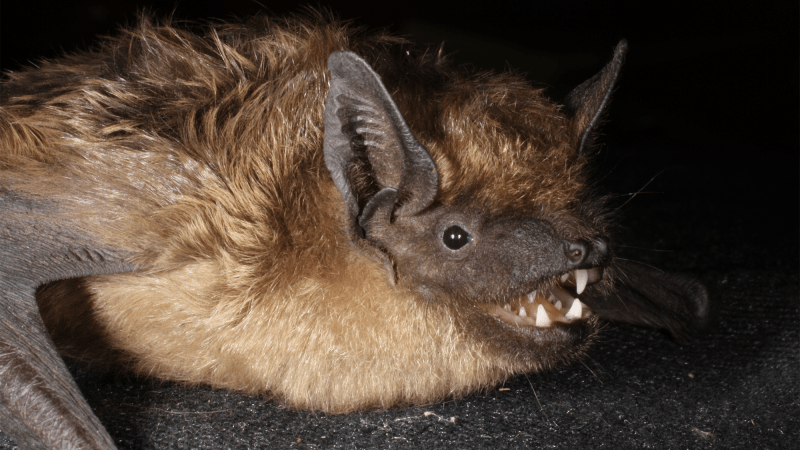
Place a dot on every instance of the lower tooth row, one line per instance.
(545, 313)
(547, 310)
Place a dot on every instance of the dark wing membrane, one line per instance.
(40, 405)
(647, 296)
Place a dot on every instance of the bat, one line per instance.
(341, 219)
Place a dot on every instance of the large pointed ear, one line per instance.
(586, 103)
(369, 148)
(650, 297)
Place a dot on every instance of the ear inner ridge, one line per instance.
(360, 114)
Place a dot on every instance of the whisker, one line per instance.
(633, 195)
(537, 400)
(592, 371)
(639, 262)
(643, 248)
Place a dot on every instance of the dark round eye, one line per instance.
(455, 237)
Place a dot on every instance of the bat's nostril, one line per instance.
(582, 253)
(576, 252)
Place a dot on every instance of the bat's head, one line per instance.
(490, 216)
(484, 210)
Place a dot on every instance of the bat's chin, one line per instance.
(555, 301)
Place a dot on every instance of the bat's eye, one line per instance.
(455, 237)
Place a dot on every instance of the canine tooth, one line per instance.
(581, 277)
(542, 319)
(522, 311)
(576, 311)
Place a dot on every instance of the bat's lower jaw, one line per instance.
(550, 305)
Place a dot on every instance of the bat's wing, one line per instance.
(647, 296)
(40, 405)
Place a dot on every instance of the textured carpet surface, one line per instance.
(737, 388)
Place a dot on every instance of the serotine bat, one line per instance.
(342, 220)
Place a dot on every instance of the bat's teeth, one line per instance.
(538, 311)
(581, 278)
(542, 319)
(576, 311)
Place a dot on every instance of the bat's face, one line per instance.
(517, 278)
(493, 227)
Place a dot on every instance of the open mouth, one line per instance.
(554, 303)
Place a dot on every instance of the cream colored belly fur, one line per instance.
(318, 344)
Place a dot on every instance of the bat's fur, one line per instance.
(200, 152)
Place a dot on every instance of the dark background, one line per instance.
(704, 123)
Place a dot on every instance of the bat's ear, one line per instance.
(376, 163)
(586, 103)
(647, 296)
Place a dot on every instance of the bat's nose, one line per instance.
(576, 252)
(583, 253)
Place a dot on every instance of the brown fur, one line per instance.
(201, 153)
